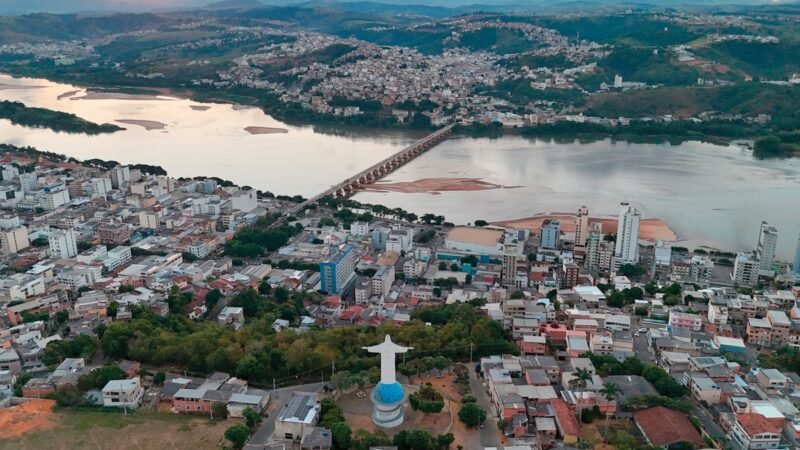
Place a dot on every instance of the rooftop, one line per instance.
(663, 426)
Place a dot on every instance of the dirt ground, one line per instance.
(358, 412)
(34, 415)
(434, 186)
(39, 428)
(649, 229)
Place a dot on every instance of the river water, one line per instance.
(709, 194)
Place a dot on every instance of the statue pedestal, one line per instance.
(388, 401)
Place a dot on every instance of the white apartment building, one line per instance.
(745, 270)
(382, 280)
(767, 241)
(627, 245)
(244, 200)
(359, 228)
(117, 256)
(120, 177)
(63, 244)
(123, 393)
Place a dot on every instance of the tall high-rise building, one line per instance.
(745, 270)
(28, 182)
(337, 273)
(512, 252)
(581, 226)
(627, 246)
(594, 238)
(551, 232)
(120, 177)
(62, 244)
(767, 240)
(797, 258)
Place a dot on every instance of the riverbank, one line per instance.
(649, 229)
(20, 114)
(434, 186)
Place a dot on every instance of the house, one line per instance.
(298, 416)
(232, 315)
(533, 345)
(123, 393)
(566, 422)
(663, 427)
(771, 379)
(754, 431)
(317, 439)
(131, 368)
(703, 388)
(252, 398)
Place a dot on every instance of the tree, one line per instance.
(342, 435)
(516, 295)
(481, 223)
(212, 298)
(159, 378)
(114, 343)
(264, 288)
(219, 411)
(238, 435)
(111, 310)
(471, 414)
(443, 441)
(610, 391)
(252, 417)
(98, 378)
(631, 271)
(580, 377)
(427, 399)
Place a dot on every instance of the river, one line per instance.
(714, 195)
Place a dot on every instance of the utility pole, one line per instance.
(333, 368)
(273, 386)
(471, 345)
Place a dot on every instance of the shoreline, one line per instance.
(265, 130)
(241, 101)
(146, 124)
(434, 186)
(651, 229)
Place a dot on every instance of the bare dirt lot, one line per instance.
(36, 427)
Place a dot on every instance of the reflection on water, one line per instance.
(198, 138)
(709, 194)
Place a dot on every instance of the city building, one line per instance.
(753, 431)
(796, 266)
(551, 233)
(13, 240)
(626, 250)
(298, 417)
(123, 393)
(63, 244)
(337, 273)
(581, 226)
(745, 270)
(767, 241)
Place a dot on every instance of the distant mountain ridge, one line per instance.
(430, 7)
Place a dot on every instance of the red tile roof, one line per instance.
(664, 426)
(755, 424)
(565, 418)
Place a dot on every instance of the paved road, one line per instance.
(707, 421)
(490, 435)
(640, 345)
(279, 398)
